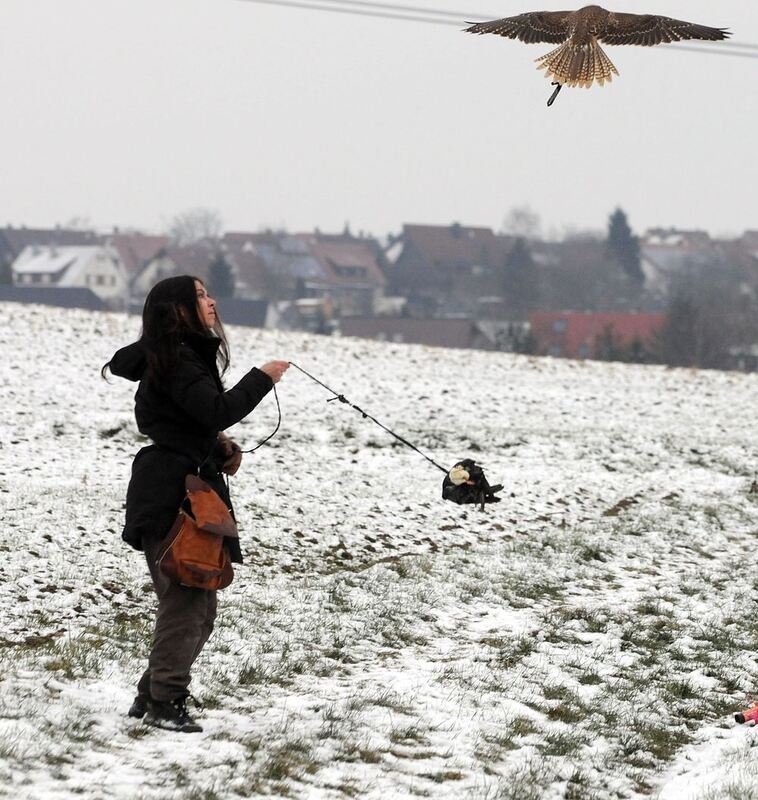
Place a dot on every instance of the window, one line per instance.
(559, 326)
(584, 350)
(350, 272)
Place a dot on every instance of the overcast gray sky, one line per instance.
(126, 112)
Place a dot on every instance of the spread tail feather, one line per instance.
(578, 65)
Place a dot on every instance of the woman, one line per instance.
(182, 407)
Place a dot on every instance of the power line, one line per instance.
(431, 12)
(355, 11)
(395, 11)
(747, 45)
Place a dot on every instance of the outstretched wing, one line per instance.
(536, 26)
(650, 29)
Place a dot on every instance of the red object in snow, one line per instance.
(751, 715)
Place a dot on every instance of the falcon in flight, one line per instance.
(580, 61)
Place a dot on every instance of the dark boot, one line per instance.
(171, 715)
(139, 706)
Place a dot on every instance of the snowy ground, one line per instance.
(588, 637)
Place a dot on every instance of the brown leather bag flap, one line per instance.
(196, 558)
(208, 509)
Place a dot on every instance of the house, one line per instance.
(573, 334)
(456, 332)
(445, 269)
(743, 358)
(312, 314)
(14, 240)
(95, 267)
(674, 237)
(508, 336)
(136, 249)
(354, 278)
(251, 277)
(668, 255)
(282, 267)
(170, 260)
(343, 269)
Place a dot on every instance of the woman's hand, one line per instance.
(232, 454)
(275, 369)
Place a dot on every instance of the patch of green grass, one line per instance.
(354, 752)
(445, 775)
(592, 552)
(289, 761)
(278, 672)
(337, 650)
(557, 692)
(78, 730)
(523, 726)
(595, 621)
(492, 747)
(578, 787)
(661, 741)
(514, 650)
(407, 734)
(561, 743)
(651, 636)
(680, 690)
(650, 607)
(391, 700)
(196, 793)
(253, 673)
(735, 789)
(526, 782)
(252, 745)
(567, 712)
(76, 658)
(338, 596)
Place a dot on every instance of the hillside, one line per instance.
(587, 637)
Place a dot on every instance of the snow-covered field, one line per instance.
(588, 637)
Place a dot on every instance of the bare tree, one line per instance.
(78, 223)
(523, 223)
(710, 313)
(195, 225)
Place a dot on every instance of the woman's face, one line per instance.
(206, 306)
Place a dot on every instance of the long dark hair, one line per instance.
(169, 315)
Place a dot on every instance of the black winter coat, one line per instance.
(183, 416)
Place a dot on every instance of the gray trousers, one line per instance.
(183, 623)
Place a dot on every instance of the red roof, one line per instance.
(136, 249)
(442, 245)
(573, 333)
(16, 239)
(249, 268)
(351, 261)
